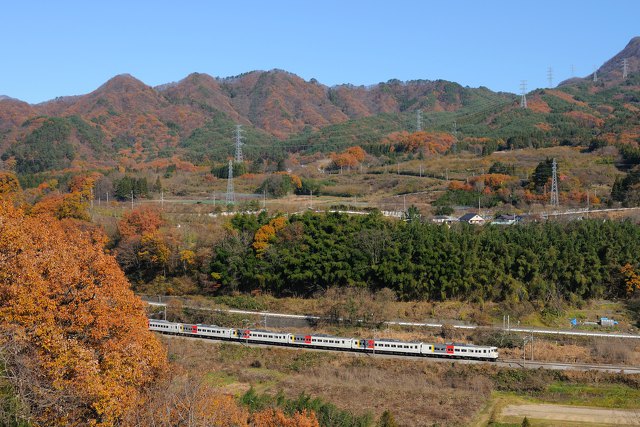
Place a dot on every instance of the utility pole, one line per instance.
(231, 197)
(239, 158)
(131, 199)
(264, 199)
(107, 198)
(418, 120)
(311, 199)
(162, 199)
(523, 93)
(625, 68)
(554, 184)
(550, 76)
(91, 197)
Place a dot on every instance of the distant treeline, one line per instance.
(306, 254)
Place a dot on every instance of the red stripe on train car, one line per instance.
(449, 349)
(370, 343)
(307, 339)
(194, 329)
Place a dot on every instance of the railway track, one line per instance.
(536, 331)
(505, 363)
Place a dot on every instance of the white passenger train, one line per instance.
(328, 342)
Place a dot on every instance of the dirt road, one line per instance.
(625, 417)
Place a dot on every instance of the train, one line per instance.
(328, 342)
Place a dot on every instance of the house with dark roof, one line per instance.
(472, 218)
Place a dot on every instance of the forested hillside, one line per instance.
(129, 124)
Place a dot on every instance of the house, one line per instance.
(444, 219)
(472, 218)
(507, 220)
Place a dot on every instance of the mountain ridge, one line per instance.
(128, 119)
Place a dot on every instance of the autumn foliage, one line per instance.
(349, 158)
(267, 233)
(631, 279)
(9, 184)
(74, 335)
(139, 222)
(428, 142)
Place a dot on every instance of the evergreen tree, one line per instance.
(157, 186)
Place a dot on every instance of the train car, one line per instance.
(389, 346)
(321, 341)
(267, 337)
(214, 332)
(165, 327)
(259, 336)
(463, 351)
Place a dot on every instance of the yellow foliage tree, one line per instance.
(266, 233)
(9, 184)
(631, 279)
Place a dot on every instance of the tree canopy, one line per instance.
(73, 336)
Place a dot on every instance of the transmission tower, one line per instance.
(231, 196)
(573, 70)
(550, 76)
(239, 158)
(523, 92)
(419, 120)
(595, 74)
(625, 68)
(554, 184)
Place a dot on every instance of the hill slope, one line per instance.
(128, 122)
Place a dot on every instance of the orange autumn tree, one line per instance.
(349, 158)
(631, 279)
(143, 249)
(139, 222)
(429, 142)
(267, 233)
(73, 335)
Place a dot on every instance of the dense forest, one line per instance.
(547, 262)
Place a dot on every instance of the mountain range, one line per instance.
(196, 117)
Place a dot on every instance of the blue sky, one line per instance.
(59, 48)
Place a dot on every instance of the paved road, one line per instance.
(313, 319)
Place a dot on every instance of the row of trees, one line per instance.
(310, 253)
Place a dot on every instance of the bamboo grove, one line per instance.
(546, 262)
